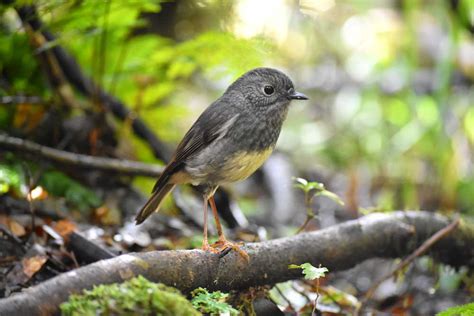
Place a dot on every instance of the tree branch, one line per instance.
(125, 167)
(417, 253)
(339, 247)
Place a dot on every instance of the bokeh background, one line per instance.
(389, 124)
(390, 82)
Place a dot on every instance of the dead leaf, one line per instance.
(25, 268)
(108, 216)
(17, 229)
(28, 116)
(33, 264)
(64, 227)
(13, 226)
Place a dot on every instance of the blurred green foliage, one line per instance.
(60, 185)
(57, 184)
(10, 178)
(145, 71)
(17, 61)
(390, 83)
(399, 121)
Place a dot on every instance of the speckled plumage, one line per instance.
(231, 138)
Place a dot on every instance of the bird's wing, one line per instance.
(201, 134)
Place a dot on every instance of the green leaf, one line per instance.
(301, 181)
(310, 272)
(307, 186)
(319, 189)
(331, 195)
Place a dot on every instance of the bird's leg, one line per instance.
(220, 232)
(205, 243)
(222, 243)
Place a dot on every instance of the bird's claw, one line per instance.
(223, 247)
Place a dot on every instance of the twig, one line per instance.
(308, 199)
(301, 292)
(277, 288)
(72, 255)
(20, 99)
(54, 72)
(303, 227)
(12, 237)
(315, 307)
(125, 167)
(405, 262)
(31, 185)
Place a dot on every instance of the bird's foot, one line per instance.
(213, 249)
(223, 247)
(209, 248)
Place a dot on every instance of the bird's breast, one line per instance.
(242, 164)
(219, 167)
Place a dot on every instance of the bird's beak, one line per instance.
(295, 95)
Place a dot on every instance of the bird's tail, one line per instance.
(153, 204)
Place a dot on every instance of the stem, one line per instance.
(317, 296)
(309, 211)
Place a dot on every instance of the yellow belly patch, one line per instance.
(243, 164)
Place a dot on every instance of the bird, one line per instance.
(228, 142)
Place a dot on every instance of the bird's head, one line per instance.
(266, 87)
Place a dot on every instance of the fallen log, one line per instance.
(338, 248)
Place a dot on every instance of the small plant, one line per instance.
(137, 296)
(310, 272)
(213, 303)
(312, 189)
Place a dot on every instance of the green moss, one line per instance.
(212, 303)
(137, 296)
(463, 310)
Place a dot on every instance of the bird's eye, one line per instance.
(268, 90)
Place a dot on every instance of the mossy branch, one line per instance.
(338, 248)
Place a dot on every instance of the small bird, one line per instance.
(229, 141)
